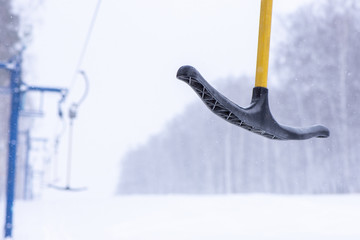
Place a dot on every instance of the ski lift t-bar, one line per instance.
(257, 117)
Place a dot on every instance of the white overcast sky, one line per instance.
(132, 58)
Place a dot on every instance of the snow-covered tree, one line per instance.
(319, 60)
(317, 65)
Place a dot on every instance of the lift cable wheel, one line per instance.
(257, 117)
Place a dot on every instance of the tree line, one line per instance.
(317, 72)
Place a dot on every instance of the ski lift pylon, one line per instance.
(257, 117)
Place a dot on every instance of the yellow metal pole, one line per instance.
(263, 43)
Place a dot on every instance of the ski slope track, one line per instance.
(69, 216)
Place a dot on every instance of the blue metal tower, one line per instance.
(17, 89)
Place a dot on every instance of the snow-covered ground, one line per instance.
(66, 215)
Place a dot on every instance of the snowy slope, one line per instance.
(63, 215)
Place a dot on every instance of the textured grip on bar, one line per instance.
(256, 118)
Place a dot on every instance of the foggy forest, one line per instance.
(315, 69)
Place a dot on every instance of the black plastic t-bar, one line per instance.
(256, 118)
